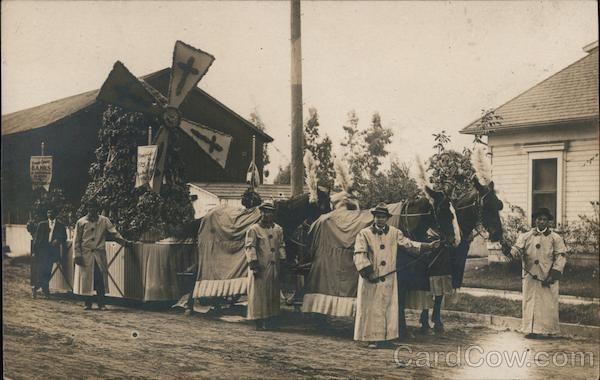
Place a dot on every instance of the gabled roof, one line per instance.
(235, 190)
(46, 114)
(568, 96)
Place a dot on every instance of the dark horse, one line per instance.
(481, 205)
(415, 220)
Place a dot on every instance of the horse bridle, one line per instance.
(407, 215)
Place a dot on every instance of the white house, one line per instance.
(208, 195)
(545, 152)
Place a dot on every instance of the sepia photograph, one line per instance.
(300, 189)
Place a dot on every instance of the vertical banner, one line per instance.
(40, 171)
(146, 162)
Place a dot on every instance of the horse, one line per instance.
(416, 221)
(481, 205)
(221, 271)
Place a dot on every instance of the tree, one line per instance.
(320, 148)
(258, 123)
(353, 148)
(364, 149)
(136, 211)
(393, 185)
(486, 125)
(376, 139)
(450, 170)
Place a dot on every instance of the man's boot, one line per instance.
(33, 292)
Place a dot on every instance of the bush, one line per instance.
(514, 222)
(583, 235)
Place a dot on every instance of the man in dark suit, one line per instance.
(50, 237)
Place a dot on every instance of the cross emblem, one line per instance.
(212, 142)
(187, 68)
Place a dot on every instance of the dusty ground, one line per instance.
(58, 339)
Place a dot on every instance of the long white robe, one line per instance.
(89, 243)
(377, 303)
(540, 253)
(265, 245)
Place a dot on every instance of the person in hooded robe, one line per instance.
(264, 248)
(543, 255)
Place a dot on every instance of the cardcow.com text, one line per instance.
(477, 356)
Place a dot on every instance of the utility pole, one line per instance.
(297, 166)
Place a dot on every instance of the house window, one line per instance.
(544, 186)
(546, 180)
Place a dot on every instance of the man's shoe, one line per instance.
(33, 293)
(87, 307)
(102, 308)
(532, 336)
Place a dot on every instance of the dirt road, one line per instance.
(58, 339)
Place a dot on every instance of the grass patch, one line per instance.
(582, 314)
(576, 281)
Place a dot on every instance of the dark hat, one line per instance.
(267, 206)
(381, 208)
(543, 211)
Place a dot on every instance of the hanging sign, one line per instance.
(40, 171)
(146, 162)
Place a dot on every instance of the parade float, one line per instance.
(146, 199)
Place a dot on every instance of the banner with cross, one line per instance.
(214, 143)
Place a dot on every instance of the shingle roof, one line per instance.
(45, 114)
(235, 190)
(569, 95)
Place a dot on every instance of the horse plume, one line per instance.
(343, 178)
(310, 167)
(421, 177)
(482, 166)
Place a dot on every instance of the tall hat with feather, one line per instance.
(421, 178)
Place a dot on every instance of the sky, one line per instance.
(424, 66)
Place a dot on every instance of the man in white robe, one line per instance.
(264, 248)
(543, 255)
(375, 253)
(91, 271)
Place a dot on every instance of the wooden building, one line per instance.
(208, 195)
(69, 127)
(545, 152)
